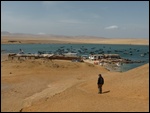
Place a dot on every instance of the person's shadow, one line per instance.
(106, 92)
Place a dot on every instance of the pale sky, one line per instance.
(110, 19)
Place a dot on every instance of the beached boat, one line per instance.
(70, 54)
(46, 55)
(118, 64)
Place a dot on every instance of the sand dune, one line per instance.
(123, 94)
(42, 85)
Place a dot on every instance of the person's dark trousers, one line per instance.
(100, 87)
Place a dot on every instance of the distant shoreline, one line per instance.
(71, 40)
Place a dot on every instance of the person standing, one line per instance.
(100, 83)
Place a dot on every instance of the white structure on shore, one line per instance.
(104, 56)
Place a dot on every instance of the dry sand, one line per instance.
(43, 85)
(62, 39)
(57, 85)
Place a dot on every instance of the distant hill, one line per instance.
(3, 33)
(6, 33)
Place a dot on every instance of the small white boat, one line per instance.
(70, 54)
(47, 55)
(142, 55)
(118, 64)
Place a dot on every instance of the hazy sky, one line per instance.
(92, 18)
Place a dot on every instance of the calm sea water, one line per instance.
(132, 52)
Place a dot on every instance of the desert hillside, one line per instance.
(121, 92)
(43, 85)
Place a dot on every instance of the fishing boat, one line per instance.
(70, 54)
(118, 64)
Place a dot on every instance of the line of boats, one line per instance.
(87, 53)
(82, 51)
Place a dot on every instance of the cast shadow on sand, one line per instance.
(106, 92)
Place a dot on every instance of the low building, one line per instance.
(104, 56)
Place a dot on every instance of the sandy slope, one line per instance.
(70, 86)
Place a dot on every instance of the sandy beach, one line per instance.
(59, 85)
(62, 39)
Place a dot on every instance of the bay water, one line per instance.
(131, 52)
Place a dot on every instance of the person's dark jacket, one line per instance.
(100, 80)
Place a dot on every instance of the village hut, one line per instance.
(104, 56)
